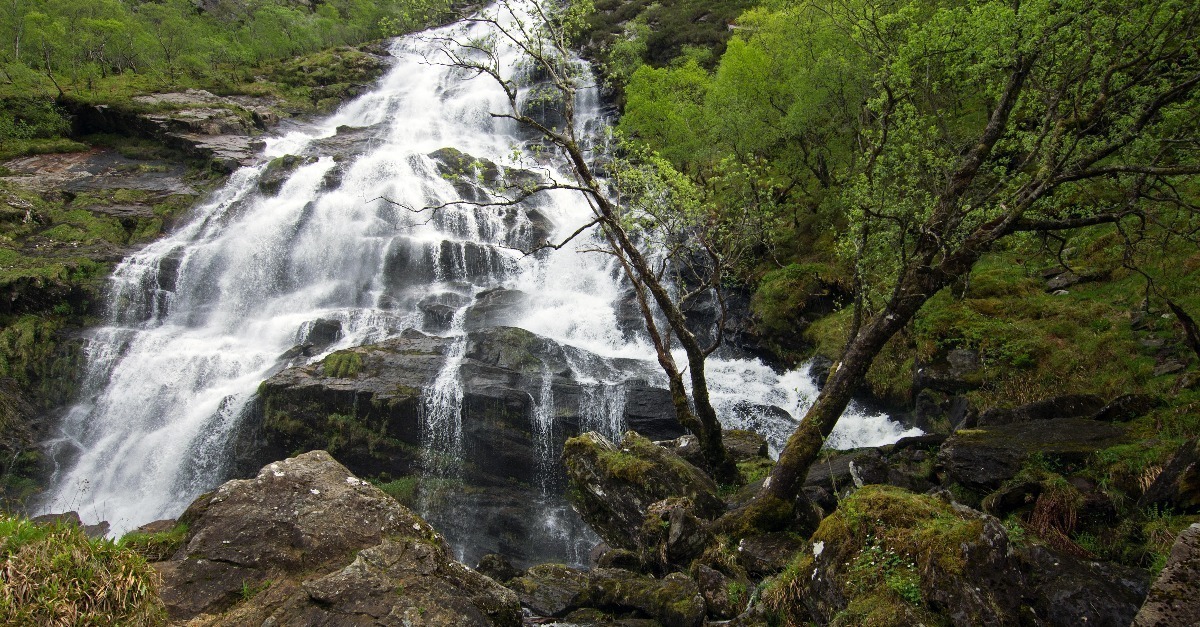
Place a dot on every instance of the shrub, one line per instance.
(56, 575)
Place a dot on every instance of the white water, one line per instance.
(199, 318)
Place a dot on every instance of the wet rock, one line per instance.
(614, 487)
(650, 412)
(1172, 599)
(320, 333)
(1066, 406)
(550, 589)
(363, 404)
(497, 568)
(495, 307)
(767, 554)
(1178, 485)
(818, 368)
(278, 171)
(439, 308)
(983, 458)
(1069, 591)
(314, 543)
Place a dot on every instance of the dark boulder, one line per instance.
(953, 372)
(1067, 406)
(1127, 407)
(984, 458)
(497, 568)
(552, 590)
(1065, 590)
(936, 412)
(767, 554)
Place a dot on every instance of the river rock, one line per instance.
(614, 487)
(308, 543)
(982, 459)
(1172, 599)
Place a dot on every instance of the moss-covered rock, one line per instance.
(613, 487)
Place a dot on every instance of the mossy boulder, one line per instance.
(552, 590)
(890, 557)
(613, 486)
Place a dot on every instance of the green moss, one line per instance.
(342, 364)
(403, 489)
(886, 544)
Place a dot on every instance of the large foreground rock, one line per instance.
(308, 543)
(1172, 599)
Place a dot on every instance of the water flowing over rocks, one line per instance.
(308, 543)
(365, 406)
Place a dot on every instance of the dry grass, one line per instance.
(54, 575)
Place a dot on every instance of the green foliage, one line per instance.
(54, 574)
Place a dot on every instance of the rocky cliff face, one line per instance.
(364, 405)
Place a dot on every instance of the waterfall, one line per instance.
(199, 318)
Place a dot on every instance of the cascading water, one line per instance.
(198, 319)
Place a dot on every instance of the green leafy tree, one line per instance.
(985, 120)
